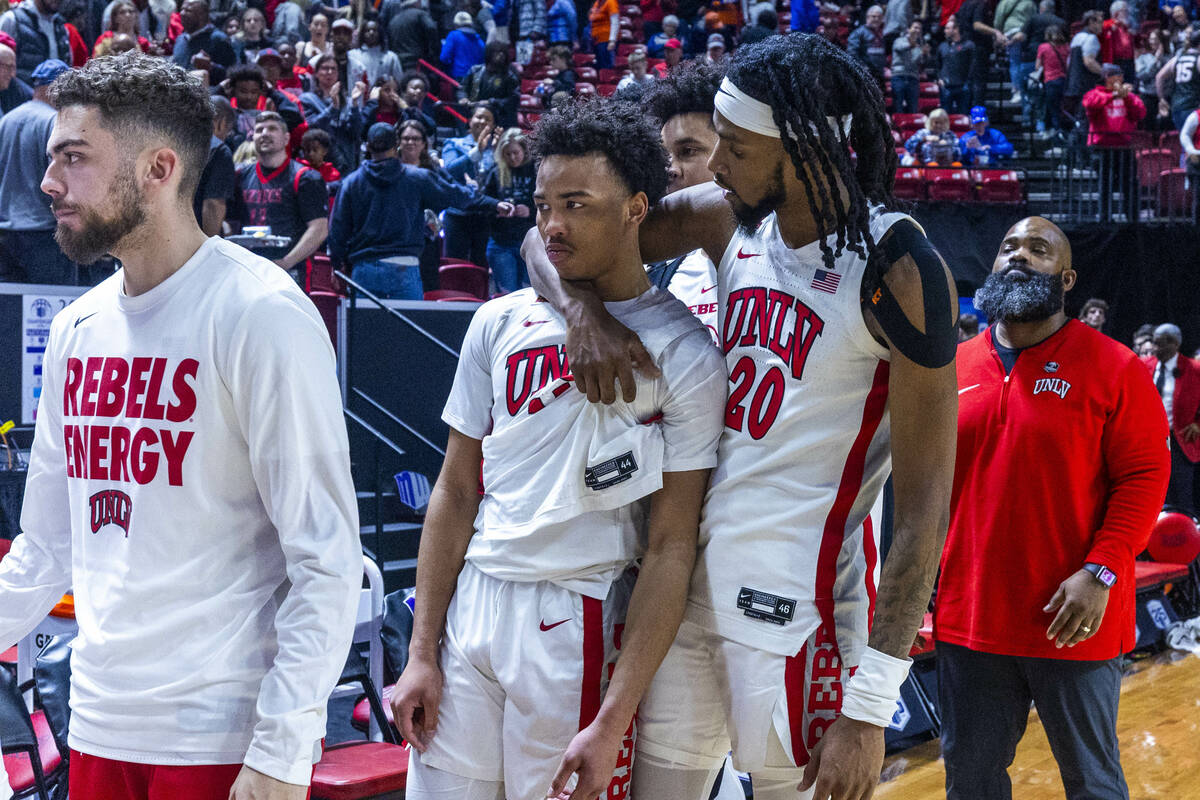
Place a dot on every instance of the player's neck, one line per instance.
(1019, 335)
(273, 161)
(625, 281)
(157, 250)
(797, 225)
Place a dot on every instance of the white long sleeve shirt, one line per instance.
(190, 479)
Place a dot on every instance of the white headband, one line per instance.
(755, 116)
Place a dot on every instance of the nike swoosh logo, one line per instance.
(546, 627)
(706, 291)
(529, 322)
(81, 319)
(969, 388)
(743, 254)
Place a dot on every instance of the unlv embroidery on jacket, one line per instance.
(1056, 385)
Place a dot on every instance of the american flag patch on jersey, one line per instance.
(825, 281)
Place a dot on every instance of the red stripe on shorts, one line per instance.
(796, 687)
(871, 553)
(593, 660)
(834, 533)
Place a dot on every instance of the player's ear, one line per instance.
(636, 208)
(1068, 278)
(161, 165)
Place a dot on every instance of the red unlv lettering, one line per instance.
(773, 320)
(527, 371)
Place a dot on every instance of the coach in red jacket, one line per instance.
(1060, 474)
(1177, 379)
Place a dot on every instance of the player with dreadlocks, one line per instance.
(837, 324)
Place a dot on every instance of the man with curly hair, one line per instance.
(190, 476)
(837, 320)
(682, 103)
(526, 594)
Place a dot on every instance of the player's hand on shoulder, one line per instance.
(603, 352)
(592, 755)
(845, 764)
(253, 785)
(415, 702)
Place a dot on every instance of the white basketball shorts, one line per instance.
(525, 667)
(712, 695)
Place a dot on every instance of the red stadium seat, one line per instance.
(1151, 163)
(998, 185)
(1174, 196)
(1174, 539)
(910, 184)
(587, 74)
(930, 89)
(927, 104)
(5, 546)
(528, 85)
(21, 775)
(361, 716)
(621, 63)
(908, 124)
(606, 89)
(585, 88)
(1170, 141)
(631, 11)
(924, 644)
(469, 278)
(607, 76)
(539, 72)
(626, 46)
(358, 770)
(897, 139)
(1151, 575)
(949, 185)
(960, 124)
(531, 119)
(583, 59)
(449, 296)
(531, 102)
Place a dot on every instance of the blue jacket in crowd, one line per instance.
(561, 22)
(998, 145)
(462, 50)
(380, 210)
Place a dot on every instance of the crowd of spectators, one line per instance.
(302, 86)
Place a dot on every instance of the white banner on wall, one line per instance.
(37, 311)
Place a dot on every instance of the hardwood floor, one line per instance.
(1159, 728)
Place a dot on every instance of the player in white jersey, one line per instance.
(513, 683)
(190, 474)
(837, 322)
(682, 103)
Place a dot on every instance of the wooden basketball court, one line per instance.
(1159, 728)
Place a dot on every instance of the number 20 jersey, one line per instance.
(786, 539)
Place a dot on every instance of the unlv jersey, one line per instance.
(786, 539)
(562, 476)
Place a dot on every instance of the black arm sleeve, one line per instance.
(937, 345)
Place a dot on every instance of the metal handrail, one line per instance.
(393, 312)
(372, 430)
(411, 430)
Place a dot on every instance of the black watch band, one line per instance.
(1102, 573)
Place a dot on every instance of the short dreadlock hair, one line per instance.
(141, 98)
(687, 89)
(806, 79)
(618, 130)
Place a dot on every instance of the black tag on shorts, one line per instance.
(611, 472)
(766, 607)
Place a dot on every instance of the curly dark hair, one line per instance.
(247, 72)
(687, 89)
(806, 79)
(618, 130)
(140, 97)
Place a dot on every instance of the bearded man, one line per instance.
(1061, 471)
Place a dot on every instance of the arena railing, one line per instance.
(1131, 185)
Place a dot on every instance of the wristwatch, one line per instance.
(1102, 574)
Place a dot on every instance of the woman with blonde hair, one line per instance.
(935, 144)
(512, 181)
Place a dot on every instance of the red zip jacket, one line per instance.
(1112, 119)
(1063, 462)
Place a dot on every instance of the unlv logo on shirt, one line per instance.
(527, 371)
(111, 507)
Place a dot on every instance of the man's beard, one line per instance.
(749, 217)
(97, 235)
(1005, 297)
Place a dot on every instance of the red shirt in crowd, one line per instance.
(1054, 60)
(1060, 463)
(1112, 118)
(1116, 42)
